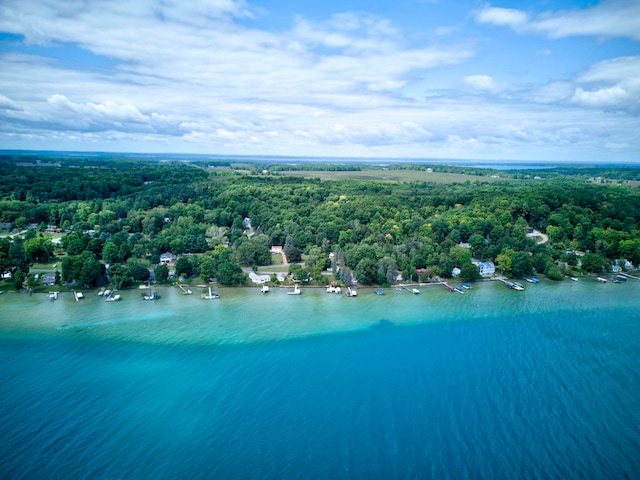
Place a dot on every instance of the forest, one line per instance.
(109, 220)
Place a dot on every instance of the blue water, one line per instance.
(514, 394)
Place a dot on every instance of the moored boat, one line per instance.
(296, 290)
(351, 292)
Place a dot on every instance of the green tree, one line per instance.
(367, 271)
(184, 267)
(110, 253)
(89, 269)
(18, 278)
(521, 264)
(230, 274)
(140, 273)
(120, 275)
(594, 262)
(161, 273)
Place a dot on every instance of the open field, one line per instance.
(392, 176)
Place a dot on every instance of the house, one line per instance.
(48, 279)
(166, 258)
(616, 268)
(486, 269)
(5, 225)
(276, 249)
(456, 272)
(259, 279)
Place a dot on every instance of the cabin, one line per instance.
(259, 279)
(486, 269)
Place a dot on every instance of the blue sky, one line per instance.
(541, 80)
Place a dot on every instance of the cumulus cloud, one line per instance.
(613, 18)
(612, 84)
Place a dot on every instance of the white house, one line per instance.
(486, 269)
(259, 279)
(275, 249)
(456, 272)
(166, 258)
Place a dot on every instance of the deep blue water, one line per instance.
(553, 396)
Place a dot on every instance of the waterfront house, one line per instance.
(259, 279)
(276, 249)
(486, 269)
(456, 272)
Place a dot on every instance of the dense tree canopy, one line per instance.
(126, 212)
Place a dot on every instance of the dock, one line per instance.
(184, 290)
(78, 295)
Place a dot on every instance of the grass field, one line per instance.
(392, 176)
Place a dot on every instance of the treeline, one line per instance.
(364, 230)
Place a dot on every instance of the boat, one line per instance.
(602, 280)
(530, 280)
(415, 291)
(351, 292)
(449, 287)
(466, 286)
(513, 285)
(101, 293)
(264, 289)
(574, 279)
(332, 289)
(211, 295)
(151, 296)
(78, 295)
(296, 290)
(458, 289)
(53, 295)
(113, 298)
(379, 292)
(535, 280)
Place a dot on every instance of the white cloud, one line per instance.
(8, 104)
(203, 77)
(483, 83)
(611, 84)
(503, 17)
(612, 18)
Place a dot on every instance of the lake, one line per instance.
(543, 383)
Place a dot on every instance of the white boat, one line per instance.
(351, 292)
(574, 279)
(265, 289)
(296, 290)
(211, 295)
(53, 295)
(602, 280)
(113, 298)
(415, 291)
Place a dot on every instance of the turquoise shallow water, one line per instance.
(543, 383)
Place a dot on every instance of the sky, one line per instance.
(539, 81)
